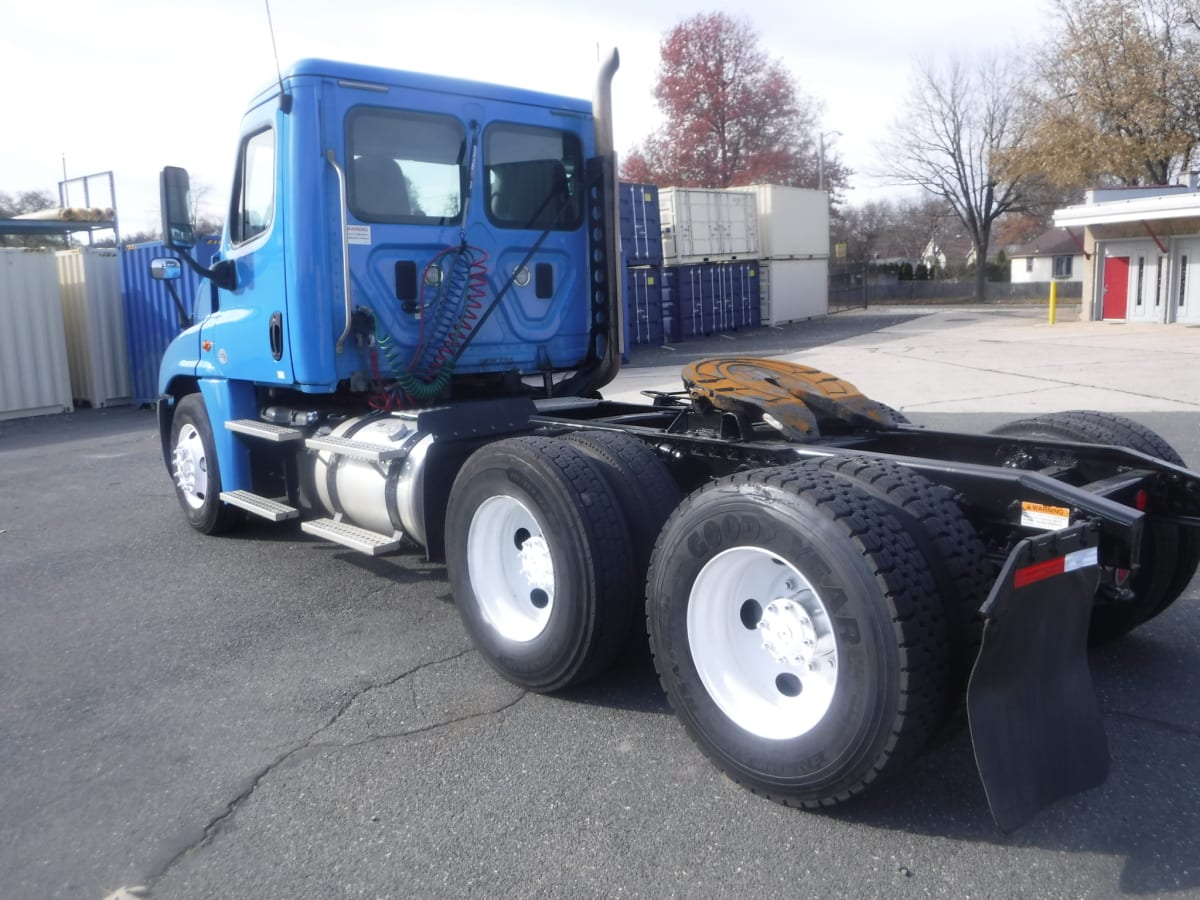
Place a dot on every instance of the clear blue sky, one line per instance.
(133, 85)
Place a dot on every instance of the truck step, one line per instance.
(260, 506)
(371, 543)
(356, 449)
(264, 430)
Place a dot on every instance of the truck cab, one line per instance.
(394, 239)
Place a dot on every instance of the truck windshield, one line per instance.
(405, 166)
(533, 177)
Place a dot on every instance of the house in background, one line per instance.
(1052, 256)
(1143, 253)
(954, 254)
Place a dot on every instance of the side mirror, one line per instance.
(174, 195)
(165, 268)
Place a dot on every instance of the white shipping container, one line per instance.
(793, 289)
(707, 225)
(792, 222)
(94, 320)
(34, 378)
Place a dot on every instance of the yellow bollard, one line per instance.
(1053, 300)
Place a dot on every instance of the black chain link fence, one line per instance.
(857, 288)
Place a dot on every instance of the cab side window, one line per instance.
(254, 191)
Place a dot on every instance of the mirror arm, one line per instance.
(184, 320)
(223, 273)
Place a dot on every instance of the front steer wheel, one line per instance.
(797, 633)
(195, 470)
(540, 561)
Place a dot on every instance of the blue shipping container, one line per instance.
(695, 291)
(710, 298)
(151, 321)
(670, 317)
(740, 297)
(641, 224)
(644, 313)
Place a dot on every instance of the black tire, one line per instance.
(733, 680)
(642, 484)
(196, 471)
(1169, 554)
(1138, 437)
(953, 550)
(539, 558)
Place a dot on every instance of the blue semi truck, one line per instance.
(402, 343)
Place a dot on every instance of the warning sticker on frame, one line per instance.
(358, 234)
(1048, 518)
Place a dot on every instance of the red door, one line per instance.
(1116, 287)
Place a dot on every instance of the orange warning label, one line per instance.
(1048, 518)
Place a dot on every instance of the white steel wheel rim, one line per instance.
(190, 466)
(511, 570)
(762, 643)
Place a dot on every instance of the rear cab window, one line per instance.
(405, 167)
(533, 177)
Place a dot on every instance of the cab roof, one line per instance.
(389, 78)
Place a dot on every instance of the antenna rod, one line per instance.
(285, 99)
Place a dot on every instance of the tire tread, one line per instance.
(914, 608)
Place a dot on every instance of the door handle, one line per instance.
(275, 331)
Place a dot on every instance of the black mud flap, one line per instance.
(1035, 720)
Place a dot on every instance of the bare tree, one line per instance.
(862, 229)
(958, 123)
(918, 223)
(204, 219)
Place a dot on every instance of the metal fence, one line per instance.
(857, 290)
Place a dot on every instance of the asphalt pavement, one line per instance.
(269, 716)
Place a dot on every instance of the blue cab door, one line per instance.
(245, 339)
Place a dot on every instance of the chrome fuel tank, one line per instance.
(382, 495)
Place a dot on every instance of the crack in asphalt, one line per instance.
(214, 824)
(433, 726)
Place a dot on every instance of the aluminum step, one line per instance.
(371, 543)
(356, 449)
(260, 506)
(264, 430)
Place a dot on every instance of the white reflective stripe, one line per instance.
(1081, 559)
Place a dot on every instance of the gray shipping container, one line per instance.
(94, 318)
(793, 223)
(34, 378)
(793, 289)
(708, 225)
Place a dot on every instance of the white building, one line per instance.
(1052, 256)
(1142, 249)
